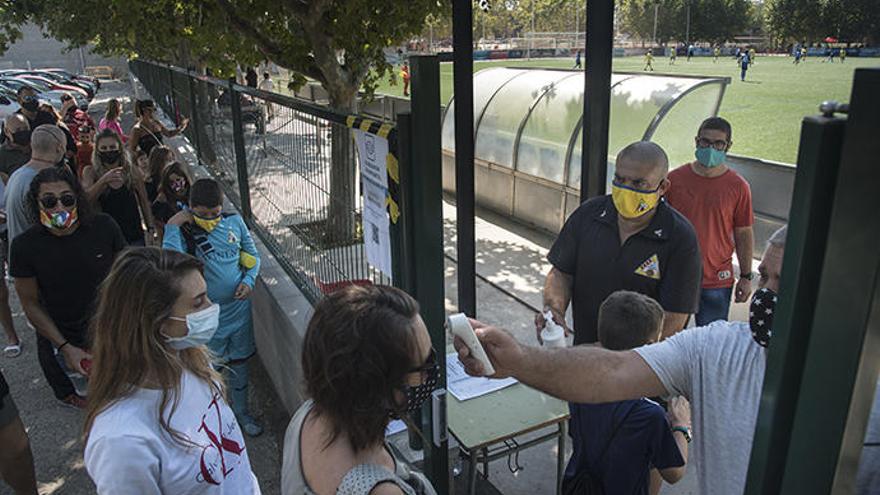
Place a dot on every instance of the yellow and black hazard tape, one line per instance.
(386, 131)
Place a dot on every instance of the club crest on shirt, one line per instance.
(231, 238)
(650, 268)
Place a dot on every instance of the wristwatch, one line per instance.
(747, 276)
(684, 430)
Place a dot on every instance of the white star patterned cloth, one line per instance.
(761, 315)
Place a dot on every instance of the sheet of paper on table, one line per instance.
(464, 387)
(394, 427)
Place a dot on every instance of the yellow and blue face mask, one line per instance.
(631, 202)
(207, 224)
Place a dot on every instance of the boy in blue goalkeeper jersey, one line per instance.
(222, 241)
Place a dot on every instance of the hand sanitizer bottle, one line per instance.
(553, 334)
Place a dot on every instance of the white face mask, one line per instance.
(200, 326)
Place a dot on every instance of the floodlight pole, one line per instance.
(597, 97)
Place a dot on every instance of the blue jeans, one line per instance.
(714, 305)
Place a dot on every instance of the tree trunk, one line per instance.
(342, 201)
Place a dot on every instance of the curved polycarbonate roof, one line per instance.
(530, 120)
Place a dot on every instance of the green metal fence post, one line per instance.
(810, 214)
(843, 358)
(170, 99)
(194, 115)
(402, 259)
(240, 154)
(427, 238)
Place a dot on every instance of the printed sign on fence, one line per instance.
(372, 151)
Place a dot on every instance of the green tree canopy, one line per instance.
(853, 21)
(715, 21)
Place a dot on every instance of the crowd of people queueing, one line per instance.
(137, 284)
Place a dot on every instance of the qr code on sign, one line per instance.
(375, 232)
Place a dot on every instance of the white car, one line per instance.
(8, 106)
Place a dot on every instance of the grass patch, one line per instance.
(765, 111)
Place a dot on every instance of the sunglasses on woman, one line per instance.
(48, 202)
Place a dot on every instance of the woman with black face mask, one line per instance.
(367, 358)
(118, 189)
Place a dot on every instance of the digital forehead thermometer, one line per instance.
(459, 325)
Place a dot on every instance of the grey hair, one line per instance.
(777, 240)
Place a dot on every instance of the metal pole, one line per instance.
(463, 69)
(809, 218)
(843, 355)
(687, 35)
(656, 7)
(427, 206)
(194, 115)
(597, 97)
(170, 97)
(240, 155)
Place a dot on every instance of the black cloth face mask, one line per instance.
(110, 156)
(22, 138)
(761, 313)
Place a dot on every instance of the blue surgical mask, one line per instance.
(200, 326)
(710, 157)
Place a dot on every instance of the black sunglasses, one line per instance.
(67, 200)
(429, 364)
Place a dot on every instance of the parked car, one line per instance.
(8, 105)
(77, 77)
(50, 96)
(53, 84)
(84, 85)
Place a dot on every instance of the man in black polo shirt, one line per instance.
(629, 240)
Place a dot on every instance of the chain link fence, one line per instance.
(289, 166)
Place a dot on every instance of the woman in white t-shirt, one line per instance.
(152, 321)
(367, 357)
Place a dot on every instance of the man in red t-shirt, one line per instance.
(718, 202)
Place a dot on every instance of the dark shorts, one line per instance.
(8, 411)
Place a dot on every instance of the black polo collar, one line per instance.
(659, 229)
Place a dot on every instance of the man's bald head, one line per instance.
(16, 122)
(48, 143)
(642, 165)
(646, 155)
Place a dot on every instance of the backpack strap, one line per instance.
(196, 237)
(361, 480)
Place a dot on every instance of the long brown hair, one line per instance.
(129, 351)
(356, 353)
(100, 168)
(160, 156)
(113, 110)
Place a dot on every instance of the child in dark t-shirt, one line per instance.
(619, 444)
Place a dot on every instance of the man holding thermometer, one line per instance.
(719, 368)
